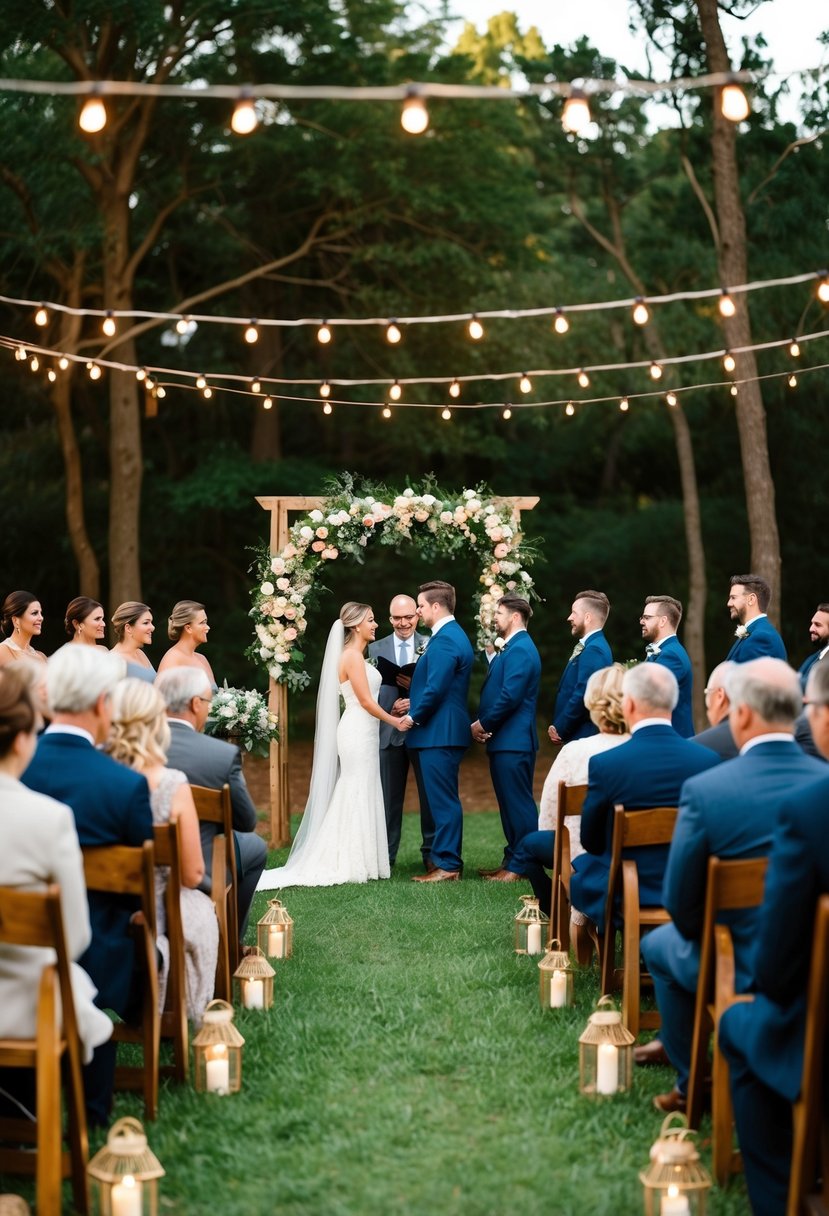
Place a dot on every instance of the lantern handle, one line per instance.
(681, 1128)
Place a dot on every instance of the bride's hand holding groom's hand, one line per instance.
(403, 723)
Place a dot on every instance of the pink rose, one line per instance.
(501, 550)
(290, 635)
(495, 568)
(368, 521)
(496, 534)
(289, 551)
(290, 613)
(421, 516)
(322, 533)
(283, 584)
(329, 554)
(318, 546)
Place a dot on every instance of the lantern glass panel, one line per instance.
(531, 928)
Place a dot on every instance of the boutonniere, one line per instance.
(653, 648)
(499, 644)
(421, 649)
(741, 632)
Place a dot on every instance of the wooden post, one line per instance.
(279, 505)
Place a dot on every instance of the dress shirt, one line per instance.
(650, 722)
(773, 736)
(444, 620)
(62, 728)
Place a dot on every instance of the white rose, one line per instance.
(264, 653)
(306, 533)
(267, 588)
(278, 566)
(317, 516)
(428, 500)
(525, 578)
(407, 493)
(333, 519)
(489, 509)
(469, 494)
(283, 584)
(368, 500)
(275, 672)
(473, 505)
(446, 517)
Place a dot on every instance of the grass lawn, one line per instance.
(407, 1067)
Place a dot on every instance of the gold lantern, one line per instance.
(124, 1173)
(605, 1053)
(555, 978)
(218, 1051)
(531, 928)
(254, 981)
(275, 931)
(675, 1183)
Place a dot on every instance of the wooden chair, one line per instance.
(810, 1149)
(167, 840)
(570, 802)
(214, 806)
(124, 870)
(632, 829)
(33, 918)
(731, 885)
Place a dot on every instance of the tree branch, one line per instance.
(793, 147)
(703, 201)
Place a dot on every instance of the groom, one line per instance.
(440, 726)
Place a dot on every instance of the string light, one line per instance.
(454, 389)
(569, 409)
(575, 117)
(34, 364)
(267, 404)
(386, 412)
(51, 375)
(671, 399)
(161, 392)
(733, 390)
(244, 120)
(583, 379)
(507, 414)
(475, 329)
(140, 375)
(414, 117)
(641, 316)
(328, 408)
(446, 413)
(325, 389)
(395, 392)
(728, 361)
(207, 392)
(255, 386)
(108, 325)
(93, 115)
(727, 305)
(149, 385)
(251, 333)
(201, 382)
(656, 371)
(823, 288)
(182, 325)
(525, 383)
(94, 370)
(393, 334)
(20, 354)
(624, 405)
(792, 381)
(41, 317)
(794, 348)
(324, 334)
(63, 363)
(560, 322)
(733, 102)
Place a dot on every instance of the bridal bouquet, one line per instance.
(242, 716)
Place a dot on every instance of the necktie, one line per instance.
(404, 653)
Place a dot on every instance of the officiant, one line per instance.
(395, 656)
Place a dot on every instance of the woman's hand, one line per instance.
(403, 723)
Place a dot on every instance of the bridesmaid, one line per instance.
(187, 628)
(21, 620)
(134, 628)
(84, 622)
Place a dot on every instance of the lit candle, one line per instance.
(534, 938)
(558, 990)
(673, 1204)
(217, 1070)
(276, 941)
(126, 1197)
(607, 1069)
(253, 994)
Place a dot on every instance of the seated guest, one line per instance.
(84, 622)
(730, 812)
(718, 736)
(140, 738)
(187, 629)
(134, 629)
(763, 1040)
(38, 846)
(212, 763)
(647, 771)
(111, 805)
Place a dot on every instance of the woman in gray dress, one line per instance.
(134, 628)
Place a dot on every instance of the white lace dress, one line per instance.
(351, 844)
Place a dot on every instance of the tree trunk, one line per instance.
(733, 267)
(89, 574)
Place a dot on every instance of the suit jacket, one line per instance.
(509, 696)
(730, 812)
(807, 665)
(385, 648)
(763, 639)
(720, 739)
(673, 655)
(570, 718)
(438, 695)
(111, 805)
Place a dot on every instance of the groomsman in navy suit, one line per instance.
(440, 725)
(591, 652)
(660, 620)
(647, 771)
(506, 724)
(755, 634)
(729, 812)
(763, 1040)
(819, 634)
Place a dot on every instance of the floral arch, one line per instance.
(344, 523)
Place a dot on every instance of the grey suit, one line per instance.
(394, 757)
(719, 739)
(214, 763)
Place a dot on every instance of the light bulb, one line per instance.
(108, 325)
(575, 116)
(656, 371)
(734, 103)
(51, 375)
(255, 386)
(63, 363)
(728, 361)
(414, 117)
(328, 408)
(446, 413)
(201, 382)
(584, 379)
(251, 334)
(325, 389)
(93, 115)
(94, 372)
(395, 392)
(727, 305)
(20, 354)
(161, 392)
(41, 317)
(792, 381)
(267, 404)
(386, 412)
(324, 334)
(733, 390)
(181, 325)
(569, 409)
(624, 405)
(560, 322)
(671, 398)
(140, 375)
(507, 414)
(243, 119)
(525, 384)
(823, 289)
(393, 333)
(454, 389)
(34, 364)
(794, 349)
(641, 316)
(208, 393)
(475, 329)
(149, 384)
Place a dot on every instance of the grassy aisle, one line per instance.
(407, 1068)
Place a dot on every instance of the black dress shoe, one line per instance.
(651, 1053)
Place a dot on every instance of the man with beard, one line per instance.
(591, 652)
(660, 620)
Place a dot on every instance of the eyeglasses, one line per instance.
(397, 619)
(207, 700)
(815, 703)
(653, 616)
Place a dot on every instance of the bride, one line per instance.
(342, 837)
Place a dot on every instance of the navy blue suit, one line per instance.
(763, 1041)
(645, 772)
(570, 718)
(763, 639)
(673, 655)
(807, 665)
(507, 711)
(440, 736)
(730, 812)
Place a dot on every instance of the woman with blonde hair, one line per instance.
(21, 620)
(134, 628)
(187, 629)
(342, 837)
(140, 738)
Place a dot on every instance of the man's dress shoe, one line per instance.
(438, 875)
(651, 1053)
(670, 1102)
(503, 876)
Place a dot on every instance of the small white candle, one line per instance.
(674, 1204)
(253, 994)
(558, 990)
(276, 941)
(607, 1069)
(217, 1071)
(534, 938)
(126, 1197)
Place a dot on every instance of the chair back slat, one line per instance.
(215, 806)
(120, 869)
(653, 826)
(570, 802)
(167, 840)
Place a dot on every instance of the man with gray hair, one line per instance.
(718, 736)
(187, 693)
(731, 813)
(647, 771)
(111, 805)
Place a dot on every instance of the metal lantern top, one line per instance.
(125, 1152)
(605, 1026)
(277, 914)
(217, 1026)
(525, 899)
(531, 912)
(254, 966)
(675, 1163)
(555, 959)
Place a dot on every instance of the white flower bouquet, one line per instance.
(242, 716)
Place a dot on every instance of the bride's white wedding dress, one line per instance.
(348, 843)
